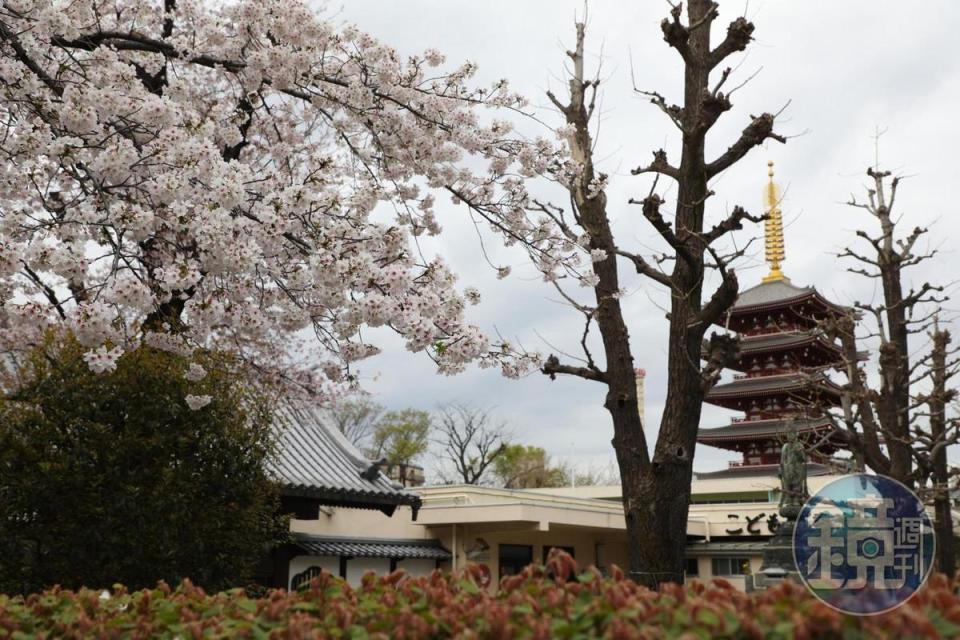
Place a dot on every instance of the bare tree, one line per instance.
(656, 488)
(355, 418)
(470, 441)
(943, 432)
(589, 476)
(528, 467)
(899, 315)
(900, 427)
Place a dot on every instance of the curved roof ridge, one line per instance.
(780, 381)
(761, 428)
(777, 291)
(314, 458)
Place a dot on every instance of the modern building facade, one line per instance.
(729, 521)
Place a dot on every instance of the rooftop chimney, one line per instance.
(641, 403)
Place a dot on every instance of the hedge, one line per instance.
(542, 602)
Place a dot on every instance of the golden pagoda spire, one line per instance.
(773, 229)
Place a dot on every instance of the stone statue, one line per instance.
(778, 561)
(793, 477)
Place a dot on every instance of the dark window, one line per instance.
(731, 566)
(304, 577)
(514, 557)
(691, 567)
(546, 551)
(600, 555)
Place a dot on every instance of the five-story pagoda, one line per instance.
(780, 382)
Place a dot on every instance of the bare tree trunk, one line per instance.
(895, 319)
(943, 524)
(656, 492)
(864, 442)
(894, 400)
(660, 498)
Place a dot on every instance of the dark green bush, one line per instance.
(111, 477)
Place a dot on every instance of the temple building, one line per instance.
(781, 382)
(320, 473)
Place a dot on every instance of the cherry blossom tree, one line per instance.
(188, 175)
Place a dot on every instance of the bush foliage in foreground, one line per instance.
(530, 605)
(111, 477)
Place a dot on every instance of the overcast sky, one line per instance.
(847, 69)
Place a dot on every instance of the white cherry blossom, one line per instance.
(208, 178)
(197, 402)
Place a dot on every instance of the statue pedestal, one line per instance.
(778, 563)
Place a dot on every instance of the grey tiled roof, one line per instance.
(777, 293)
(315, 460)
(766, 384)
(724, 549)
(767, 292)
(758, 428)
(771, 341)
(760, 470)
(371, 547)
(780, 341)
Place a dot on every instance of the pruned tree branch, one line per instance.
(759, 130)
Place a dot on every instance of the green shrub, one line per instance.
(529, 605)
(111, 477)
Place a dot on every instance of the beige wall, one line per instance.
(584, 543)
(705, 566)
(361, 523)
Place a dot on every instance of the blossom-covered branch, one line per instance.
(194, 176)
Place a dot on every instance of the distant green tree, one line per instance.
(401, 436)
(527, 467)
(112, 478)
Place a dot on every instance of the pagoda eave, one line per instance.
(761, 429)
(789, 385)
(737, 470)
(777, 295)
(739, 436)
(813, 298)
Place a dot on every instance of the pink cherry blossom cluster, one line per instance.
(229, 175)
(102, 359)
